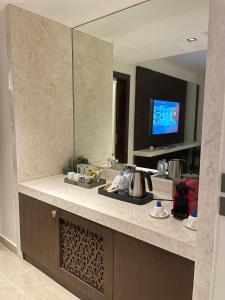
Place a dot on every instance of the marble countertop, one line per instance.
(134, 220)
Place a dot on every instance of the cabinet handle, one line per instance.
(54, 213)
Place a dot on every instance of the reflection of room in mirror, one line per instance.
(170, 46)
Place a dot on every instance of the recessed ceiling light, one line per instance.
(193, 39)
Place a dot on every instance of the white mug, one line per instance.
(76, 177)
(70, 175)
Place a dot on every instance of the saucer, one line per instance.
(165, 215)
(186, 224)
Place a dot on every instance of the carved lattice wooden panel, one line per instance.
(82, 254)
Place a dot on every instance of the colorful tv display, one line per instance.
(165, 117)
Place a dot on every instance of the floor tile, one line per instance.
(56, 295)
(4, 250)
(3, 281)
(32, 282)
(10, 292)
(21, 281)
(11, 265)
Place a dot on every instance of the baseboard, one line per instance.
(8, 244)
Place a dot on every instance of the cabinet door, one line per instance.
(145, 272)
(86, 257)
(38, 228)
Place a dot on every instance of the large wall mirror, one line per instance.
(139, 83)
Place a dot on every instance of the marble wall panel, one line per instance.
(210, 173)
(93, 82)
(41, 61)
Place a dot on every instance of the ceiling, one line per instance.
(194, 62)
(71, 12)
(154, 30)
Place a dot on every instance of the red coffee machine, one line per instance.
(185, 198)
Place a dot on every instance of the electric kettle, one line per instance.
(137, 187)
(176, 168)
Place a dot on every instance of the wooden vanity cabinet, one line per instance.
(97, 263)
(74, 251)
(38, 230)
(145, 272)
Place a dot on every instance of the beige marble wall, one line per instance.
(211, 153)
(93, 77)
(41, 60)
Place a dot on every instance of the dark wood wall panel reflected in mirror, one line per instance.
(150, 84)
(154, 38)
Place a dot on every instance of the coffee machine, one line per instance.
(185, 198)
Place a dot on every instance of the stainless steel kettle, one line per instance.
(137, 186)
(176, 168)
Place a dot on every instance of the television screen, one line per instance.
(165, 117)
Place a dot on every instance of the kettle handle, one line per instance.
(149, 180)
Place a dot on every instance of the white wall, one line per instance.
(167, 68)
(7, 155)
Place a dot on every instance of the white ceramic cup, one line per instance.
(76, 177)
(70, 175)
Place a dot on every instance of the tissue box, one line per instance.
(163, 185)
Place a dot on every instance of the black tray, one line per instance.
(138, 201)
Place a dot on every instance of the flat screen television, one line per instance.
(165, 117)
